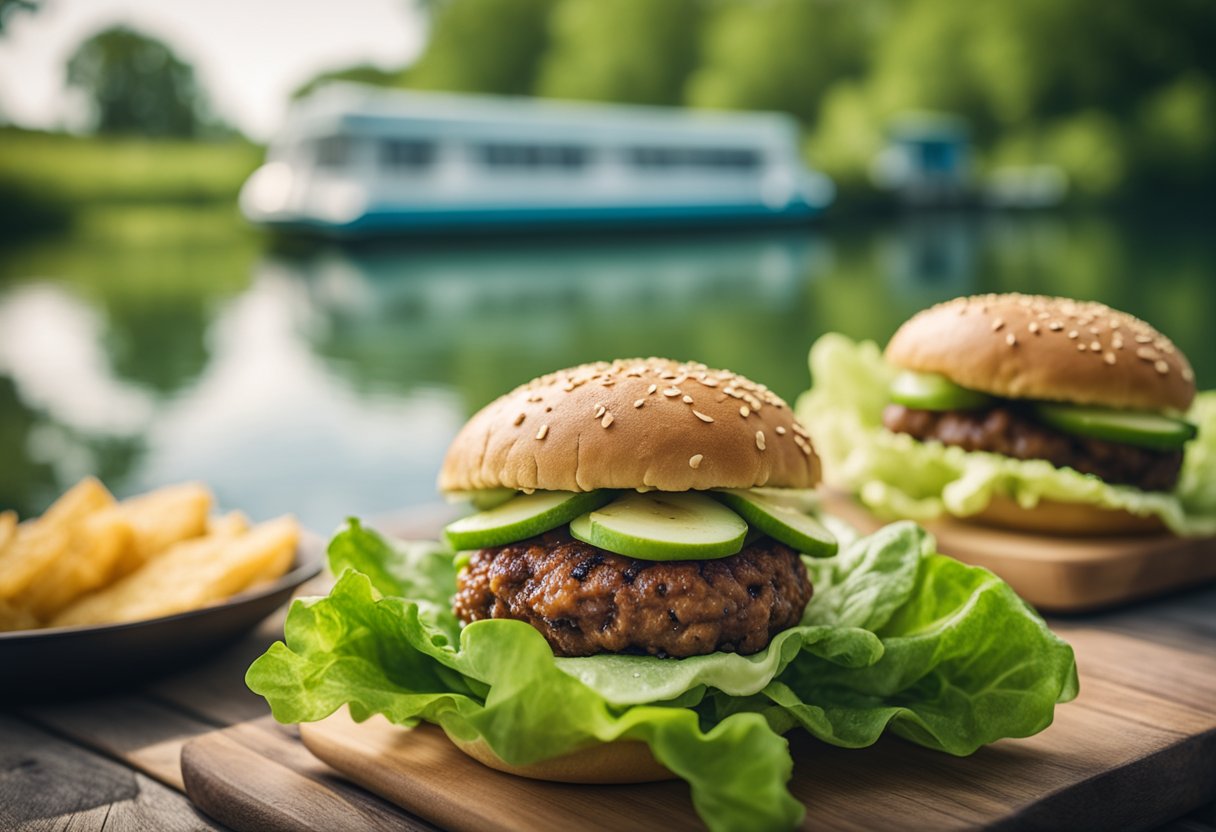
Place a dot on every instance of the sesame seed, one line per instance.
(1093, 330)
(760, 439)
(1161, 367)
(694, 461)
(702, 416)
(1188, 374)
(745, 411)
(1109, 357)
(651, 389)
(709, 382)
(1147, 354)
(1081, 348)
(606, 421)
(1095, 346)
(543, 432)
(1072, 333)
(1117, 341)
(688, 400)
(599, 411)
(519, 420)
(998, 324)
(1011, 340)
(1143, 339)
(1055, 326)
(780, 430)
(1033, 327)
(639, 403)
(671, 392)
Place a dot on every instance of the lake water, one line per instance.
(156, 346)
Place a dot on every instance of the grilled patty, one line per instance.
(1008, 431)
(585, 600)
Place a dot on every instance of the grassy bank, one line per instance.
(80, 170)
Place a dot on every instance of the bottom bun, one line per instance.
(1051, 517)
(623, 761)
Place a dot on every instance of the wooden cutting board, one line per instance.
(1137, 748)
(1066, 574)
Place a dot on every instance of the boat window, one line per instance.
(407, 154)
(533, 156)
(333, 151)
(699, 157)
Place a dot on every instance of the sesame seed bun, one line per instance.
(623, 761)
(1072, 519)
(1035, 347)
(638, 423)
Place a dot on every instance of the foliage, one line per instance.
(358, 74)
(137, 85)
(9, 7)
(488, 46)
(634, 51)
(1122, 98)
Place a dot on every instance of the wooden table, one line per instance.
(113, 763)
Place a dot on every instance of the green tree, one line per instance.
(9, 7)
(636, 51)
(488, 46)
(781, 54)
(138, 86)
(357, 74)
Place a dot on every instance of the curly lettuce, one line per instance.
(896, 638)
(897, 476)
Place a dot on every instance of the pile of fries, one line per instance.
(91, 559)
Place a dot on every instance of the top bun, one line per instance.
(1035, 347)
(637, 423)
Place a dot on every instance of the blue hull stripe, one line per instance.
(407, 219)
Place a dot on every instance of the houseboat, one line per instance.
(355, 161)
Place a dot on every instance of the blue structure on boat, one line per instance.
(357, 161)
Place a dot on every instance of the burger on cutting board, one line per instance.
(647, 592)
(1036, 413)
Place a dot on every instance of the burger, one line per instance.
(645, 590)
(1037, 413)
(631, 522)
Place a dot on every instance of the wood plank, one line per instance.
(1066, 574)
(230, 773)
(1136, 749)
(47, 783)
(145, 735)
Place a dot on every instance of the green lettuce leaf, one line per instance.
(895, 636)
(896, 476)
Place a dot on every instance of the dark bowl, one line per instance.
(64, 662)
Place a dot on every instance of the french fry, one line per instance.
(229, 525)
(8, 528)
(191, 574)
(97, 544)
(14, 618)
(160, 519)
(39, 543)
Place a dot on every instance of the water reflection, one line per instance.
(330, 382)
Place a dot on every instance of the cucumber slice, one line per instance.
(930, 391)
(663, 526)
(521, 517)
(781, 520)
(1130, 427)
(490, 498)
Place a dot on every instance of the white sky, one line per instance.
(249, 54)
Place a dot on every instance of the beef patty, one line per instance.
(585, 600)
(1008, 431)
